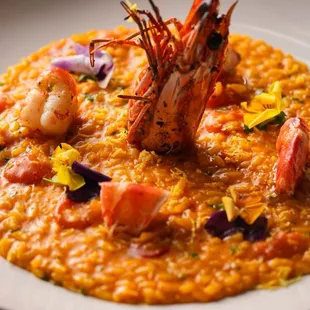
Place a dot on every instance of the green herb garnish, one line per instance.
(246, 129)
(280, 119)
(219, 206)
(85, 77)
(1, 83)
(277, 120)
(233, 250)
(180, 276)
(90, 98)
(298, 100)
(194, 255)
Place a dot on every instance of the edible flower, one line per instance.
(82, 182)
(245, 218)
(91, 189)
(133, 7)
(103, 68)
(219, 226)
(265, 108)
(62, 159)
(249, 213)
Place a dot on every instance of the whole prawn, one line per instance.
(173, 90)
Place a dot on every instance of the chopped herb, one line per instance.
(180, 276)
(280, 119)
(15, 230)
(219, 206)
(85, 77)
(90, 98)
(233, 250)
(1, 83)
(277, 120)
(263, 126)
(246, 129)
(194, 255)
(298, 100)
(259, 92)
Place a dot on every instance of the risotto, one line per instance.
(175, 259)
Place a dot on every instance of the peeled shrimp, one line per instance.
(50, 106)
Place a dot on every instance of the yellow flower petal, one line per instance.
(264, 107)
(230, 208)
(63, 158)
(66, 176)
(66, 154)
(133, 7)
(260, 118)
(251, 212)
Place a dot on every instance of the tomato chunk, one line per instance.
(27, 169)
(130, 207)
(283, 245)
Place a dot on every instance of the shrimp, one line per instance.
(50, 106)
(173, 90)
(130, 207)
(293, 152)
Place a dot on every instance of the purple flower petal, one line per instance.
(103, 68)
(257, 231)
(91, 189)
(87, 192)
(84, 50)
(219, 226)
(89, 174)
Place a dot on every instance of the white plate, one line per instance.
(26, 25)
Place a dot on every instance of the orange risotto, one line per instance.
(174, 259)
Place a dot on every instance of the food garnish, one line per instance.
(133, 7)
(249, 212)
(91, 189)
(219, 226)
(124, 205)
(102, 70)
(293, 153)
(82, 182)
(62, 159)
(265, 108)
(166, 108)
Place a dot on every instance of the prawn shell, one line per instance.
(293, 152)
